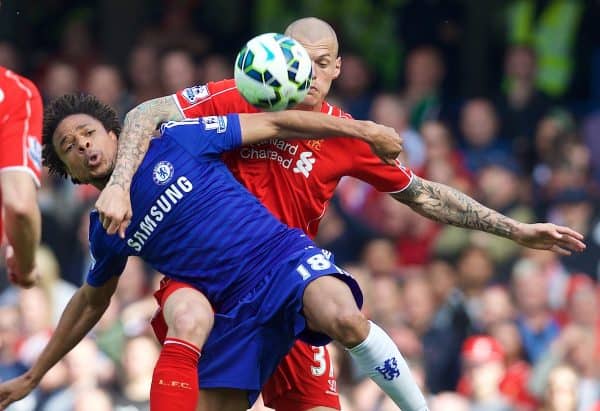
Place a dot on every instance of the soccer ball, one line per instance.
(273, 72)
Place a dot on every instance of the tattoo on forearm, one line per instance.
(450, 206)
(138, 127)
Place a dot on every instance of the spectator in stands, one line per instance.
(537, 325)
(479, 125)
(59, 78)
(476, 272)
(9, 57)
(441, 366)
(215, 67)
(139, 356)
(577, 208)
(561, 392)
(483, 371)
(10, 327)
(177, 70)
(353, 87)
(424, 72)
(446, 401)
(518, 371)
(449, 299)
(390, 110)
(443, 161)
(521, 105)
(105, 82)
(496, 308)
(94, 399)
(143, 73)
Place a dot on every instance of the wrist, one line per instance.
(517, 231)
(121, 181)
(365, 130)
(32, 378)
(24, 268)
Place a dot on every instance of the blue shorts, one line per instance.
(247, 343)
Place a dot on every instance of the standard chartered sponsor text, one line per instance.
(273, 150)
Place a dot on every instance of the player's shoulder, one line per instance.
(202, 92)
(98, 238)
(334, 110)
(15, 86)
(95, 227)
(105, 247)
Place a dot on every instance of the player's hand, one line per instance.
(546, 236)
(385, 142)
(22, 279)
(114, 208)
(15, 389)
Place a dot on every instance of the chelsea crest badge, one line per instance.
(162, 173)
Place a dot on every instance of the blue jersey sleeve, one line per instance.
(106, 263)
(205, 136)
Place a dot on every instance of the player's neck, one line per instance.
(100, 183)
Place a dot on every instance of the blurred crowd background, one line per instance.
(500, 99)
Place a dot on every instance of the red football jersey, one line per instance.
(20, 126)
(294, 179)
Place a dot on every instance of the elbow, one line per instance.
(134, 113)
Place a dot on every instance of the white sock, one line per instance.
(379, 358)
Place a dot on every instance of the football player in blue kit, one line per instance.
(263, 284)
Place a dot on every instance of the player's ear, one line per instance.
(114, 136)
(338, 67)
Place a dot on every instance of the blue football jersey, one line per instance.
(192, 220)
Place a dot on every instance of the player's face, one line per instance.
(86, 148)
(326, 68)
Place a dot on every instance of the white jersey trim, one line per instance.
(178, 105)
(27, 91)
(410, 179)
(189, 346)
(317, 219)
(207, 97)
(25, 169)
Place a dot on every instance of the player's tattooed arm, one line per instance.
(139, 125)
(113, 204)
(450, 206)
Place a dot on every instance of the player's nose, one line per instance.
(83, 144)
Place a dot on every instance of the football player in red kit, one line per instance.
(20, 167)
(295, 180)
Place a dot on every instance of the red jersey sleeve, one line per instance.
(360, 162)
(20, 125)
(213, 98)
(369, 168)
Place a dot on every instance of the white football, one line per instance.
(273, 72)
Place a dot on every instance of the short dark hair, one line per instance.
(67, 105)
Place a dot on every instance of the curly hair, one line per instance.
(67, 105)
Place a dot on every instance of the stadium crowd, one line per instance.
(485, 324)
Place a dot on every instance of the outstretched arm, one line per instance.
(450, 206)
(81, 314)
(293, 124)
